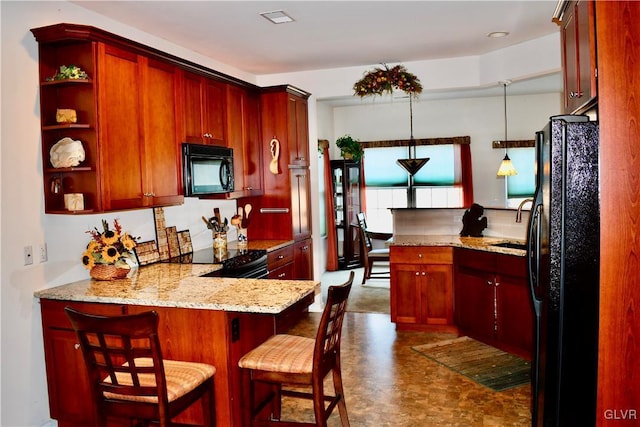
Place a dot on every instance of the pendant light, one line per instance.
(412, 164)
(506, 167)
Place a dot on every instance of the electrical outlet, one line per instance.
(42, 250)
(28, 255)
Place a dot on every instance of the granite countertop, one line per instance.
(479, 243)
(179, 285)
(268, 245)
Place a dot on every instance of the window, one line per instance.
(522, 185)
(437, 184)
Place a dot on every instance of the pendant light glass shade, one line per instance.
(506, 166)
(412, 164)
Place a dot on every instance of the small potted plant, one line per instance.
(350, 148)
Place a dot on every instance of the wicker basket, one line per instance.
(108, 272)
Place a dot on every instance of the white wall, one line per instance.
(22, 220)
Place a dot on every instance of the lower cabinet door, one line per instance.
(303, 260)
(437, 294)
(405, 289)
(474, 303)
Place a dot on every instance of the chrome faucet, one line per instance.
(519, 212)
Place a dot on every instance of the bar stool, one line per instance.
(289, 360)
(129, 378)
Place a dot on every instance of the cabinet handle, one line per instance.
(575, 95)
(497, 283)
(207, 135)
(281, 275)
(419, 255)
(424, 273)
(489, 282)
(76, 346)
(248, 188)
(274, 210)
(280, 256)
(417, 273)
(149, 194)
(305, 247)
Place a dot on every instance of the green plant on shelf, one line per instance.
(350, 148)
(69, 72)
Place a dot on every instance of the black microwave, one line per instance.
(206, 169)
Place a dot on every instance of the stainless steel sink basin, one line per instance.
(511, 245)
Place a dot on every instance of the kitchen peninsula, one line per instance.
(203, 319)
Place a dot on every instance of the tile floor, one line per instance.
(387, 384)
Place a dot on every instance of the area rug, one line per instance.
(368, 299)
(482, 363)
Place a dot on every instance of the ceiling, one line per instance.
(334, 34)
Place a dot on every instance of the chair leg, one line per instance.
(209, 405)
(318, 403)
(367, 272)
(342, 405)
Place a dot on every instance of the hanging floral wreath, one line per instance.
(385, 79)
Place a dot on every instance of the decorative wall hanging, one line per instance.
(384, 80)
(275, 155)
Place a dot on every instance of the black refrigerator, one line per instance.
(563, 261)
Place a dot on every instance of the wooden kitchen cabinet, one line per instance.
(492, 301)
(303, 259)
(579, 55)
(298, 129)
(280, 263)
(140, 155)
(127, 131)
(284, 211)
(422, 287)
(69, 391)
(204, 110)
(243, 135)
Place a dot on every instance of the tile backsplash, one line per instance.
(435, 221)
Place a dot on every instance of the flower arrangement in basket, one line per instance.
(384, 79)
(106, 253)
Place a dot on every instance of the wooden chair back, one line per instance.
(327, 347)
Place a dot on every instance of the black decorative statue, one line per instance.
(473, 222)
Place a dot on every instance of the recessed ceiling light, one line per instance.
(498, 34)
(277, 17)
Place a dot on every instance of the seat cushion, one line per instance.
(379, 253)
(281, 353)
(182, 377)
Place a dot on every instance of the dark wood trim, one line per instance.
(421, 141)
(74, 33)
(521, 143)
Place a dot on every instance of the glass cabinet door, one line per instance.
(347, 205)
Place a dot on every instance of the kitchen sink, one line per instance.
(511, 245)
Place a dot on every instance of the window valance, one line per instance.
(460, 140)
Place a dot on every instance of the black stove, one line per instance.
(244, 263)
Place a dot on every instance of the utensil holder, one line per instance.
(219, 241)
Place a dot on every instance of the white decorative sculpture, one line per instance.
(66, 153)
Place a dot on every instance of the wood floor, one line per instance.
(387, 384)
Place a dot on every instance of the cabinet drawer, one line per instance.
(280, 257)
(421, 254)
(476, 259)
(284, 272)
(512, 265)
(53, 315)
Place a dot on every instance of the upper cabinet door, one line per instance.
(243, 135)
(298, 131)
(578, 56)
(203, 110)
(120, 118)
(138, 139)
(163, 177)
